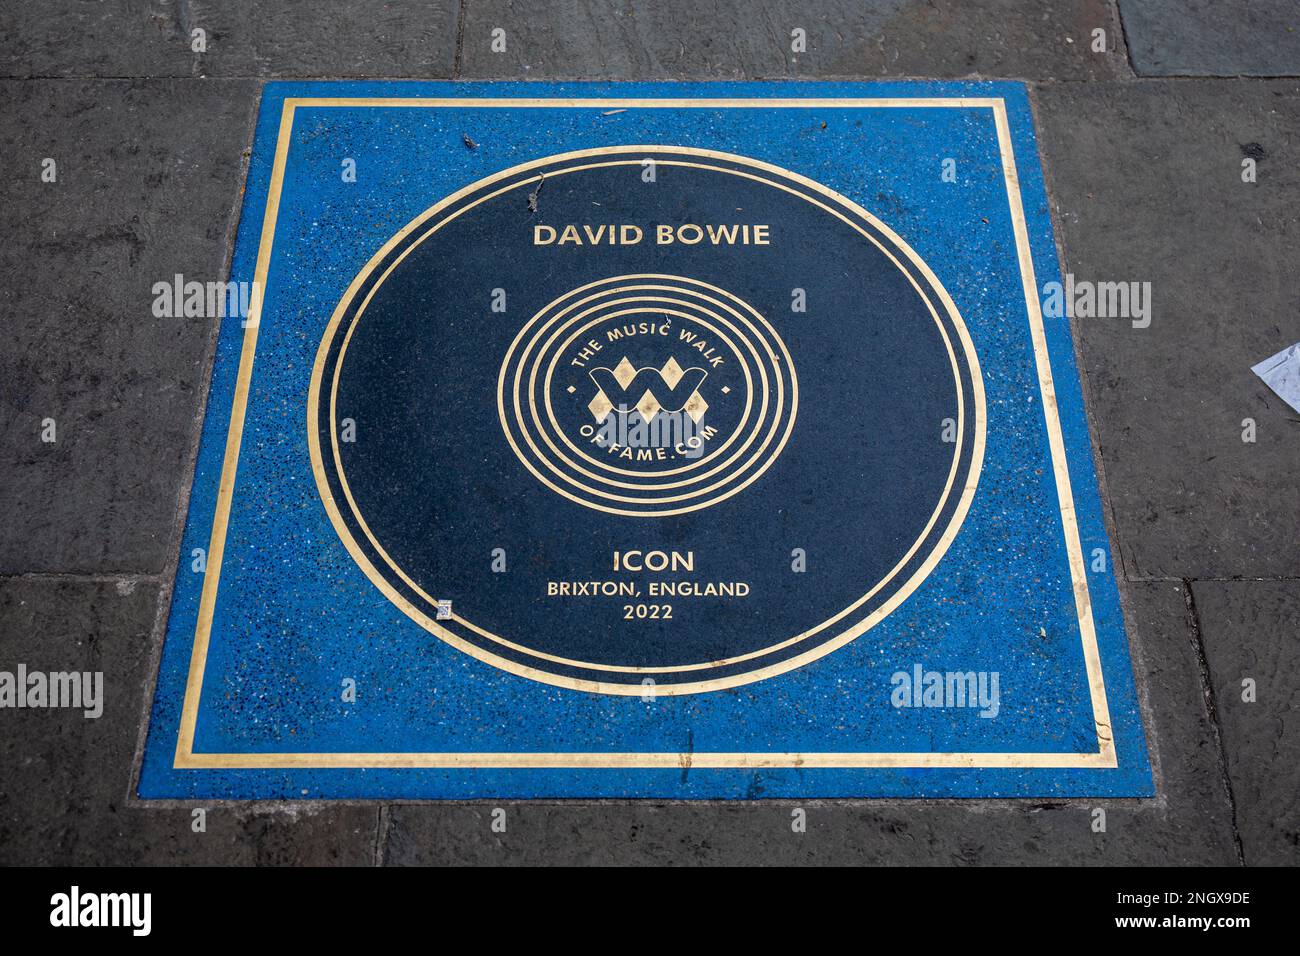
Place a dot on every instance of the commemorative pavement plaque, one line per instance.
(672, 440)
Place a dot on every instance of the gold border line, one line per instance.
(664, 103)
(226, 490)
(1105, 757)
(1056, 441)
(562, 760)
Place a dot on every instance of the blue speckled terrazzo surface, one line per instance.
(295, 616)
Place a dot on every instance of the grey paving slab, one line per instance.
(1146, 177)
(148, 177)
(63, 792)
(241, 38)
(642, 39)
(80, 38)
(1251, 631)
(1190, 822)
(1213, 37)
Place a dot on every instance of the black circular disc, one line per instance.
(646, 419)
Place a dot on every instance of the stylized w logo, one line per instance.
(648, 390)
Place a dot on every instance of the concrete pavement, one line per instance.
(1144, 171)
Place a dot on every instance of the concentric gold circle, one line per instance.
(539, 345)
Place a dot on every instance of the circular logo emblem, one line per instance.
(645, 420)
(647, 395)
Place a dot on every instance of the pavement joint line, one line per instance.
(89, 577)
(458, 57)
(1111, 520)
(810, 78)
(135, 78)
(1119, 563)
(1207, 688)
(164, 598)
(1119, 567)
(183, 17)
(381, 833)
(1123, 33)
(162, 608)
(1205, 579)
(1138, 652)
(1230, 77)
(1147, 78)
(312, 805)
